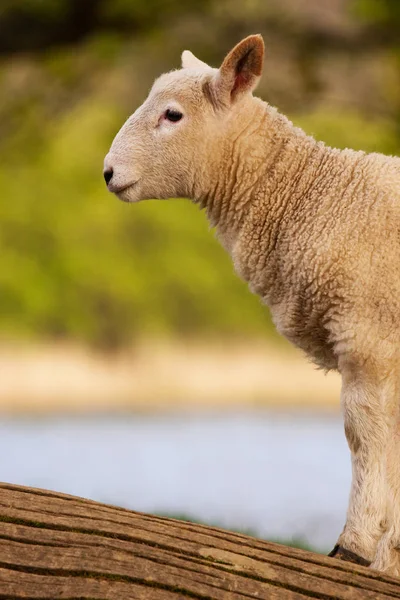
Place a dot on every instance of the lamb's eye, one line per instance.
(173, 115)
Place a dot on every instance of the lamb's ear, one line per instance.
(189, 61)
(241, 70)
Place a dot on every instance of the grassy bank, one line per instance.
(293, 542)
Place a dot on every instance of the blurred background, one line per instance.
(135, 367)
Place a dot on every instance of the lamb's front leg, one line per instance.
(388, 552)
(368, 395)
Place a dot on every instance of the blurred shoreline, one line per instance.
(161, 376)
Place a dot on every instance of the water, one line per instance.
(283, 476)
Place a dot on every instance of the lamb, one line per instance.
(315, 232)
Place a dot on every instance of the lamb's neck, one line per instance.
(257, 165)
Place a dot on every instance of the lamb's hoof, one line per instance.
(349, 556)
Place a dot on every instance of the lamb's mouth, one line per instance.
(122, 192)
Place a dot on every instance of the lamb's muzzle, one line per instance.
(315, 232)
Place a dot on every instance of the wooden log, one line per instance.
(58, 546)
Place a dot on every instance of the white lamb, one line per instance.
(315, 231)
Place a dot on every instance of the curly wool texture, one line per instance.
(315, 232)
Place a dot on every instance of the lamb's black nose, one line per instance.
(108, 173)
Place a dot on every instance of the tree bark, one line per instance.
(58, 546)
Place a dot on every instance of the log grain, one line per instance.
(58, 546)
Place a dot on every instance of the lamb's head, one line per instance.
(171, 145)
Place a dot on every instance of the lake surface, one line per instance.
(283, 476)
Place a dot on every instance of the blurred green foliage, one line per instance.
(38, 24)
(378, 12)
(75, 263)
